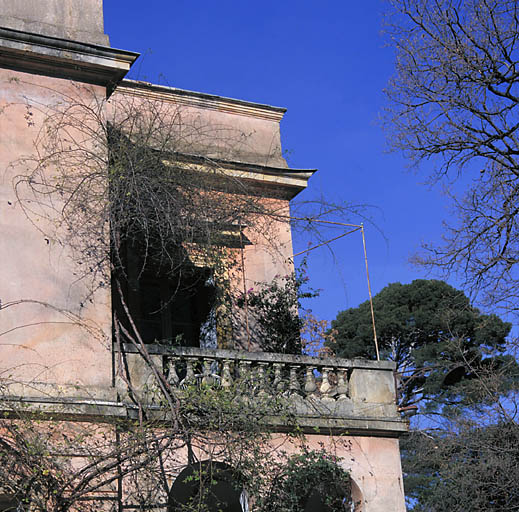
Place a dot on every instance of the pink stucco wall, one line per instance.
(51, 329)
(372, 462)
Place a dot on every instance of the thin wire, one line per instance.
(326, 242)
(358, 227)
(319, 221)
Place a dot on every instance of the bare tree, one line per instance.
(453, 104)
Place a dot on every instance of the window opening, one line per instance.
(173, 306)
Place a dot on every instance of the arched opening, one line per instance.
(8, 504)
(209, 487)
(311, 481)
(321, 501)
(356, 497)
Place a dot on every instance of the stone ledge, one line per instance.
(106, 412)
(107, 405)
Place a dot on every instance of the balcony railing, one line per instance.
(324, 392)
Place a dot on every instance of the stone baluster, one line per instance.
(327, 390)
(207, 377)
(342, 385)
(262, 378)
(190, 374)
(278, 385)
(293, 385)
(245, 369)
(226, 374)
(173, 379)
(246, 374)
(310, 385)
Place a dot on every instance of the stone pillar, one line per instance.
(77, 20)
(372, 386)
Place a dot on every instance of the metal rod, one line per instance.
(245, 298)
(357, 226)
(369, 291)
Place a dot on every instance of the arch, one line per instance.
(214, 484)
(356, 497)
(311, 481)
(8, 504)
(316, 502)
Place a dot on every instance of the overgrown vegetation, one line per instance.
(138, 198)
(59, 465)
(277, 313)
(308, 480)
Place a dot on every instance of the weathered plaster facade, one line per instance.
(56, 350)
(75, 20)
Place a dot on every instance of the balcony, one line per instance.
(328, 394)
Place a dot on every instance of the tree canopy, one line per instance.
(438, 340)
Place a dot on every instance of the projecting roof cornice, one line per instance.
(63, 58)
(202, 100)
(280, 181)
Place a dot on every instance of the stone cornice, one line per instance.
(85, 408)
(52, 56)
(283, 181)
(202, 100)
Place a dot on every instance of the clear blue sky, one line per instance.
(327, 63)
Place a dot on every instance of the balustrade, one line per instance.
(259, 373)
(309, 378)
(324, 392)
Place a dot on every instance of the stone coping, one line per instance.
(110, 411)
(204, 100)
(270, 357)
